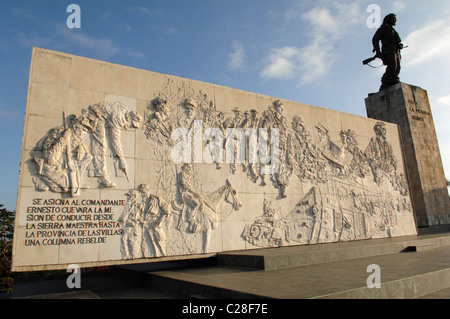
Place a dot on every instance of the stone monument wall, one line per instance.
(121, 165)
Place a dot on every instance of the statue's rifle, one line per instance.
(367, 61)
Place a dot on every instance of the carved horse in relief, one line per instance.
(213, 208)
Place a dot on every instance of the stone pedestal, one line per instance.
(408, 106)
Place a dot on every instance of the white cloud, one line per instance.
(141, 10)
(321, 20)
(145, 11)
(283, 63)
(291, 14)
(169, 30)
(441, 113)
(62, 38)
(440, 106)
(398, 5)
(103, 47)
(315, 60)
(428, 43)
(444, 100)
(105, 16)
(31, 39)
(326, 26)
(134, 54)
(238, 57)
(24, 13)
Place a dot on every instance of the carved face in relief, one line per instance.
(380, 130)
(348, 138)
(77, 130)
(144, 188)
(278, 106)
(160, 105)
(237, 113)
(187, 168)
(131, 195)
(297, 124)
(190, 106)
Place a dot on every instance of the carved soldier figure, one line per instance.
(190, 105)
(330, 150)
(390, 50)
(78, 157)
(281, 177)
(230, 124)
(114, 117)
(128, 222)
(159, 128)
(358, 166)
(48, 159)
(190, 196)
(380, 155)
(154, 209)
(61, 158)
(253, 165)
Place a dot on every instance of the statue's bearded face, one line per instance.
(391, 19)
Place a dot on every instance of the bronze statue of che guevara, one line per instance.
(390, 50)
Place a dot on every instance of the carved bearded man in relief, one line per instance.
(159, 125)
(380, 155)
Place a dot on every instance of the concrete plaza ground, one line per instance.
(410, 267)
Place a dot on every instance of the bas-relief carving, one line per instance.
(179, 217)
(61, 157)
(320, 217)
(268, 230)
(187, 220)
(143, 221)
(337, 207)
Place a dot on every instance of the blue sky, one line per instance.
(306, 51)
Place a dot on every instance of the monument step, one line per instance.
(402, 275)
(294, 256)
(418, 247)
